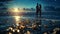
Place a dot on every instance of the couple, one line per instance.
(38, 9)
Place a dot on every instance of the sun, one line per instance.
(16, 10)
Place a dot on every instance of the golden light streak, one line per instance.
(17, 19)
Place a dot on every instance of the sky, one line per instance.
(32, 3)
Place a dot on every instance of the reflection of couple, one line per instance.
(38, 9)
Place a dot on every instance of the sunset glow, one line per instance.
(16, 10)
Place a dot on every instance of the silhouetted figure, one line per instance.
(40, 10)
(37, 9)
(40, 13)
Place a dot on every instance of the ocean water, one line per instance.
(52, 19)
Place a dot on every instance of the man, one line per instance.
(40, 10)
(37, 9)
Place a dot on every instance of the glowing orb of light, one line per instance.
(18, 30)
(13, 30)
(17, 24)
